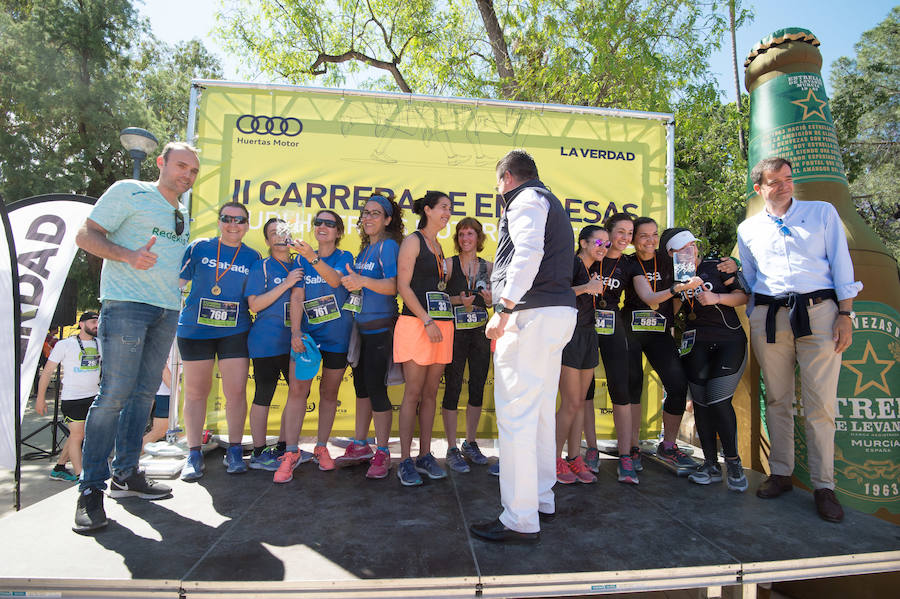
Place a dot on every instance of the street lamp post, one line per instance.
(139, 143)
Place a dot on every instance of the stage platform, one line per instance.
(336, 534)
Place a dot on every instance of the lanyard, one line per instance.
(653, 281)
(219, 276)
(602, 284)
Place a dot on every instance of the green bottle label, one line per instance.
(790, 117)
(867, 436)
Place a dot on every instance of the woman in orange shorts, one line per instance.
(423, 337)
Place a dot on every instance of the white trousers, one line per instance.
(526, 378)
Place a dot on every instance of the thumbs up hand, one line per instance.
(352, 281)
(142, 258)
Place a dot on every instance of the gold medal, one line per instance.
(602, 303)
(216, 290)
(692, 316)
(441, 285)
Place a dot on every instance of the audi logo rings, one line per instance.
(269, 125)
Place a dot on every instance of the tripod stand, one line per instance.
(56, 427)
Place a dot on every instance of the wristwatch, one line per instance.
(314, 261)
(851, 313)
(502, 309)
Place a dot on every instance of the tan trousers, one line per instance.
(820, 367)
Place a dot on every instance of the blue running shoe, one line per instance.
(473, 453)
(626, 470)
(736, 479)
(675, 457)
(305, 456)
(428, 466)
(636, 459)
(267, 460)
(456, 462)
(193, 467)
(494, 468)
(234, 460)
(407, 474)
(592, 459)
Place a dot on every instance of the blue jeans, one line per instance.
(135, 340)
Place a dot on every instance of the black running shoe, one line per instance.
(138, 485)
(89, 512)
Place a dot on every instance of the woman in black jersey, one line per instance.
(469, 287)
(649, 316)
(423, 337)
(713, 354)
(616, 343)
(579, 357)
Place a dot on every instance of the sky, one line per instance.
(837, 24)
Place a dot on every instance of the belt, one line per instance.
(798, 304)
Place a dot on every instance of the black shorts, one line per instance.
(161, 406)
(232, 346)
(582, 351)
(334, 360)
(75, 410)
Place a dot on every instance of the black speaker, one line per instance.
(66, 308)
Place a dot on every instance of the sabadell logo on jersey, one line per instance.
(226, 266)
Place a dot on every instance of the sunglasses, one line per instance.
(179, 222)
(239, 220)
(602, 244)
(783, 228)
(318, 222)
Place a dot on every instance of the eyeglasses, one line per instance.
(239, 220)
(782, 228)
(318, 222)
(602, 244)
(372, 213)
(179, 222)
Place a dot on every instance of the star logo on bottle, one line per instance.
(812, 106)
(875, 372)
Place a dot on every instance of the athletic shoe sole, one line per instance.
(739, 486)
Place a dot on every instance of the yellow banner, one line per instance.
(289, 152)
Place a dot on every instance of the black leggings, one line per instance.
(368, 376)
(473, 346)
(265, 376)
(663, 357)
(714, 370)
(614, 351)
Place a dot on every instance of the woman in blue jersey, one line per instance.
(214, 323)
(316, 309)
(372, 283)
(714, 355)
(423, 339)
(268, 295)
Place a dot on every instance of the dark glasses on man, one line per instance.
(238, 220)
(602, 244)
(318, 222)
(179, 222)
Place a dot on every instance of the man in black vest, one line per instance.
(534, 317)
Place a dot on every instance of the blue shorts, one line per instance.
(161, 406)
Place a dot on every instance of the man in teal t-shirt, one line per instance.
(140, 229)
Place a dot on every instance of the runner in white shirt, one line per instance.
(79, 357)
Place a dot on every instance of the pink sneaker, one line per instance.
(287, 463)
(354, 454)
(380, 465)
(564, 474)
(581, 471)
(323, 458)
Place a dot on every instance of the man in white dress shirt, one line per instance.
(533, 319)
(797, 263)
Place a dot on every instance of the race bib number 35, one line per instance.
(216, 313)
(469, 320)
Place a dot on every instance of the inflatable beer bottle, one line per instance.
(790, 117)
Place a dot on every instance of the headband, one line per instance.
(384, 203)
